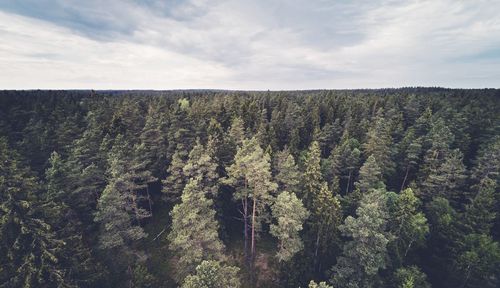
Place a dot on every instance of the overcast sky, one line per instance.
(254, 44)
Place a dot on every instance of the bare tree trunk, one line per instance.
(254, 211)
(406, 176)
(317, 248)
(348, 182)
(149, 201)
(245, 228)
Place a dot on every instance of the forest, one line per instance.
(393, 188)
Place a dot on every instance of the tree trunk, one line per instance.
(245, 228)
(316, 249)
(149, 201)
(348, 182)
(406, 176)
(254, 211)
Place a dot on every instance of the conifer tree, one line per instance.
(345, 160)
(29, 248)
(251, 175)
(313, 178)
(410, 277)
(175, 181)
(478, 261)
(213, 274)
(480, 214)
(370, 175)
(289, 214)
(378, 144)
(83, 269)
(412, 148)
(201, 165)
(446, 180)
(407, 224)
(287, 172)
(365, 253)
(194, 232)
(326, 219)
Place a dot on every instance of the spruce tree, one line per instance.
(29, 248)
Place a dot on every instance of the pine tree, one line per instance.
(202, 165)
(153, 144)
(478, 262)
(287, 174)
(289, 214)
(326, 219)
(480, 213)
(175, 181)
(213, 274)
(410, 277)
(487, 162)
(251, 175)
(313, 178)
(236, 133)
(345, 160)
(412, 148)
(370, 176)
(194, 231)
(446, 180)
(365, 254)
(378, 144)
(407, 224)
(439, 138)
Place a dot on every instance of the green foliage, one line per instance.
(312, 174)
(287, 173)
(410, 277)
(478, 261)
(313, 284)
(175, 181)
(370, 175)
(289, 214)
(29, 248)
(194, 232)
(213, 274)
(118, 150)
(378, 144)
(366, 251)
(407, 224)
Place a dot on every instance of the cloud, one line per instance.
(232, 44)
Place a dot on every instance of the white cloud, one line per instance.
(255, 45)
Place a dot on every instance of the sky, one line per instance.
(248, 45)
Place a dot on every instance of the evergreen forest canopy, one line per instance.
(346, 189)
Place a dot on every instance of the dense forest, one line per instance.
(348, 188)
